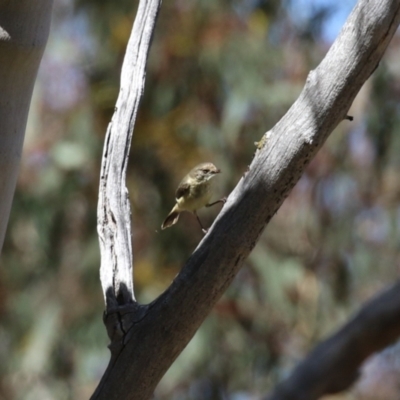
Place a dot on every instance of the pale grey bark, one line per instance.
(113, 212)
(147, 339)
(24, 28)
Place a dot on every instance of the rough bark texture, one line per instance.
(147, 339)
(333, 365)
(24, 28)
(114, 212)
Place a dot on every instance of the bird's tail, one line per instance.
(172, 219)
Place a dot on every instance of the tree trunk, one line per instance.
(24, 28)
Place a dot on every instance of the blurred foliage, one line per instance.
(220, 74)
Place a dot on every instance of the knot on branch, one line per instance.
(120, 315)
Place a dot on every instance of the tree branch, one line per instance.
(113, 212)
(333, 365)
(151, 337)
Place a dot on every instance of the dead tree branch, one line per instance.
(147, 339)
(114, 212)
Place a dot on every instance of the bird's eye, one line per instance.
(205, 170)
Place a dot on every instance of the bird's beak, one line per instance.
(217, 171)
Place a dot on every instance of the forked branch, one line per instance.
(147, 339)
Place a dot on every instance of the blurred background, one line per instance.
(220, 74)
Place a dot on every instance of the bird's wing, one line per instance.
(182, 190)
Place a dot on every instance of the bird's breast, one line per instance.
(198, 196)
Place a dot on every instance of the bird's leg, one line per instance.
(198, 219)
(223, 200)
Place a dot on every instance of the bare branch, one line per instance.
(333, 365)
(151, 337)
(114, 213)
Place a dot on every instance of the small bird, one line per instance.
(194, 192)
